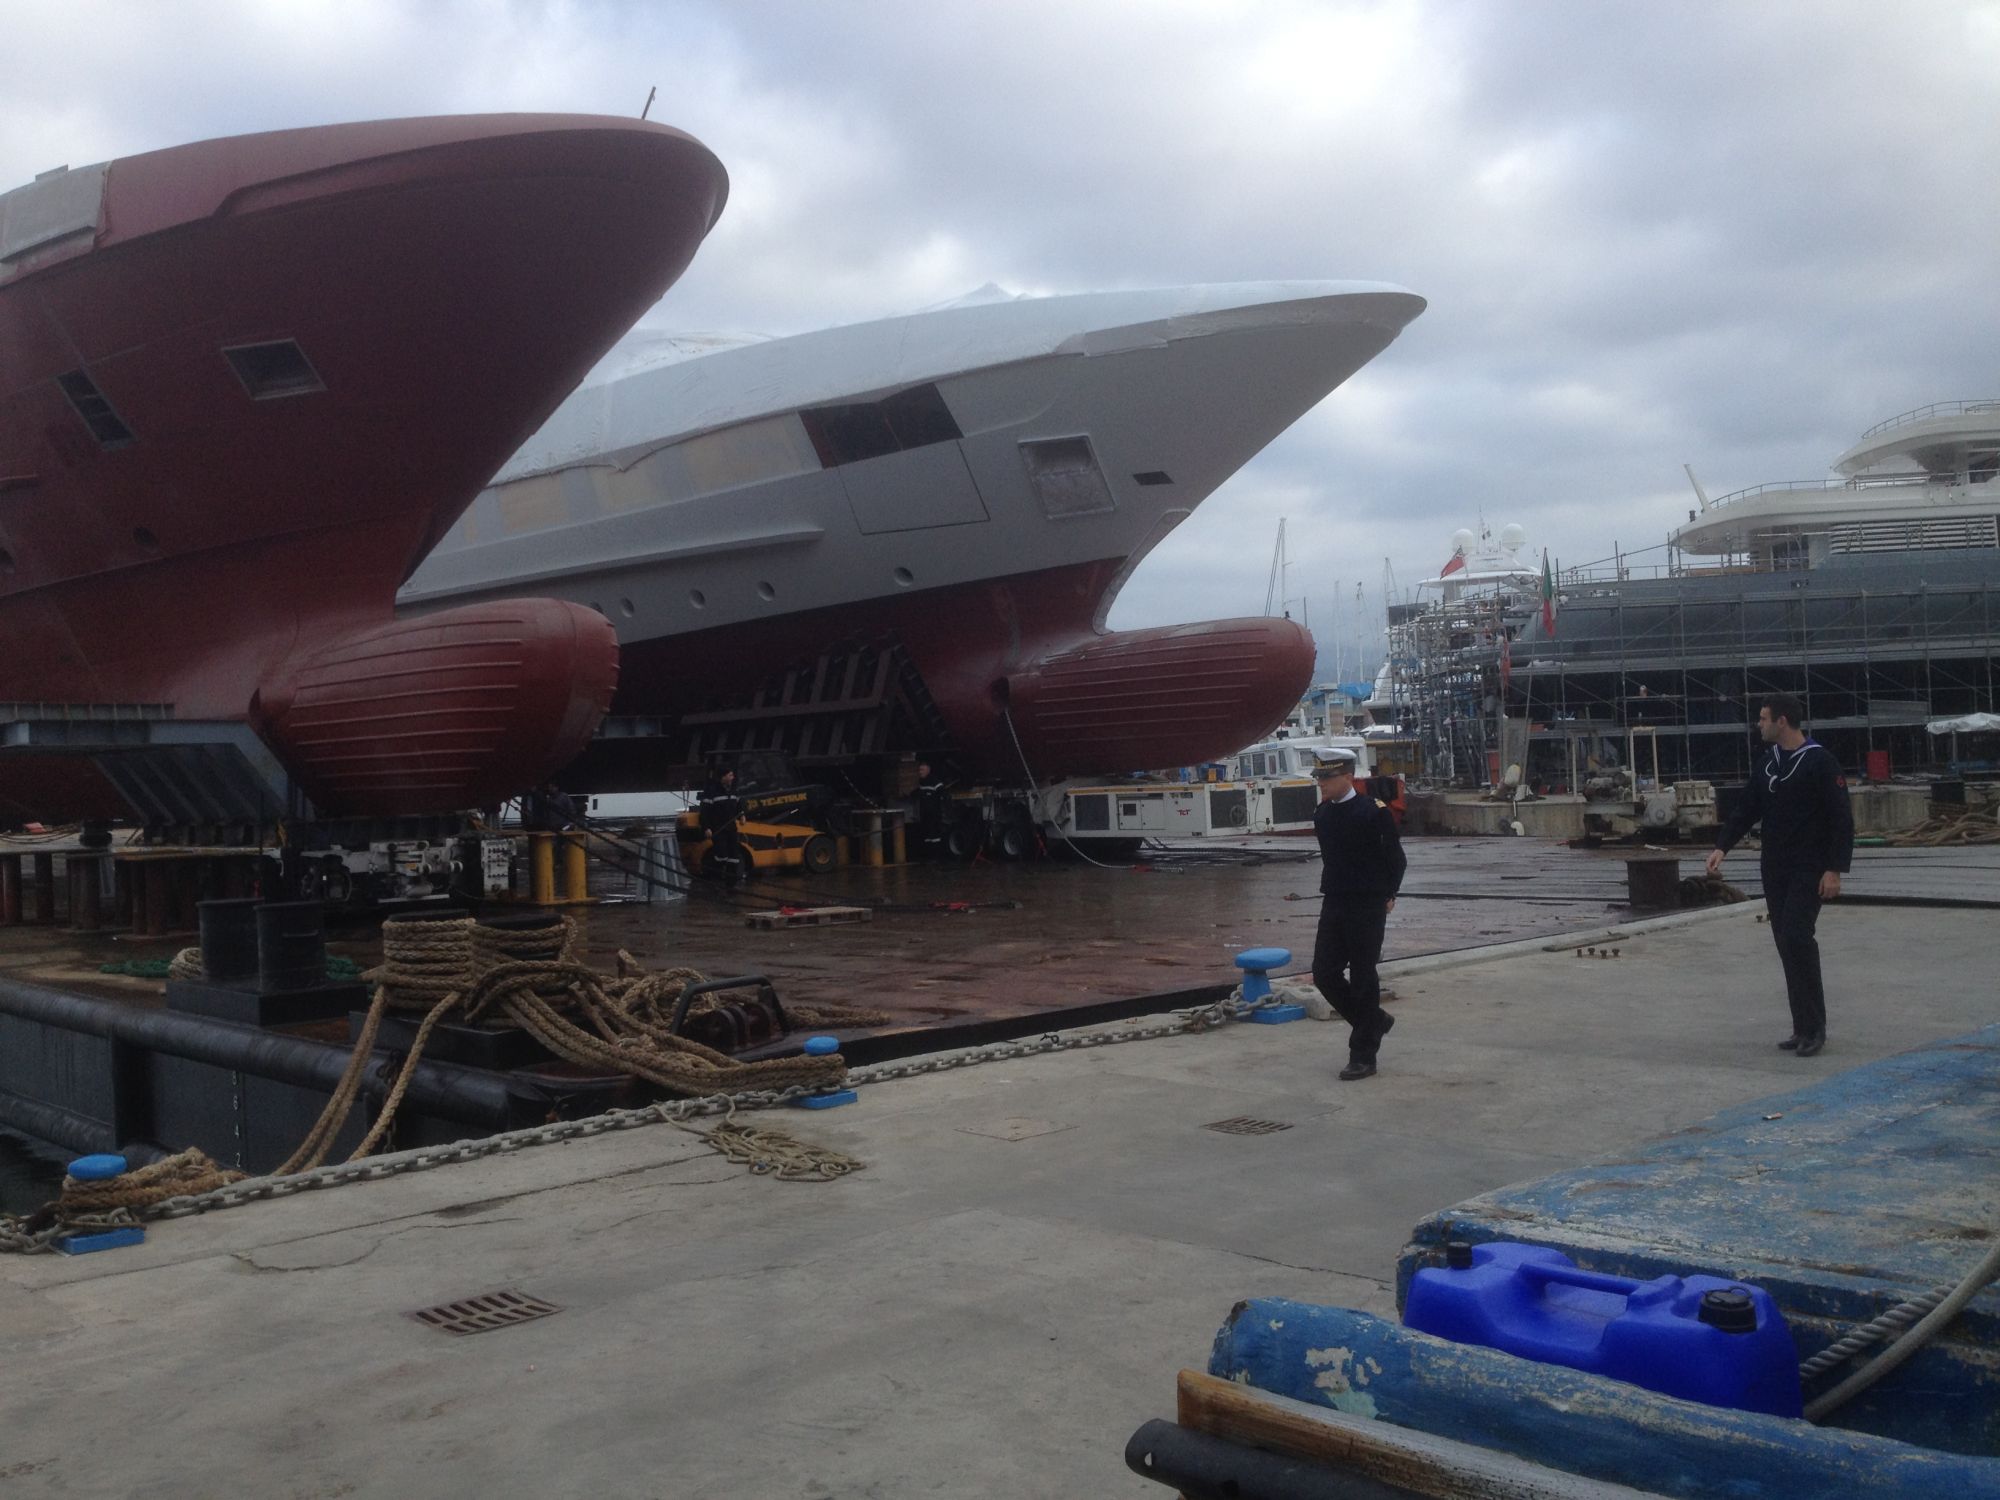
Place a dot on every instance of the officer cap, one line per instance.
(1334, 763)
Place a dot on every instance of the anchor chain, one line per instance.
(668, 1112)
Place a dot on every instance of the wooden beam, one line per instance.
(1415, 1461)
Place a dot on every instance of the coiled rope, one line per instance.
(529, 977)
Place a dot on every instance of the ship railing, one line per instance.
(1648, 562)
(1859, 482)
(1927, 413)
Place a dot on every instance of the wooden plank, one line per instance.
(1415, 1461)
(811, 916)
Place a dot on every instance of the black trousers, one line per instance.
(726, 844)
(1793, 897)
(1345, 953)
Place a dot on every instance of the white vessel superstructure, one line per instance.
(973, 484)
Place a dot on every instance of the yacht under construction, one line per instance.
(1873, 596)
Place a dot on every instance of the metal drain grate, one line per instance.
(483, 1314)
(1245, 1125)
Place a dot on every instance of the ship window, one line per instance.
(1066, 477)
(915, 418)
(1153, 476)
(269, 371)
(848, 434)
(919, 417)
(103, 422)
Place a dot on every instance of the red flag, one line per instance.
(1457, 562)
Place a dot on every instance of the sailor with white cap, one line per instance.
(1364, 863)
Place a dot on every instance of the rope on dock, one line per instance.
(530, 978)
(110, 1203)
(1971, 825)
(677, 1112)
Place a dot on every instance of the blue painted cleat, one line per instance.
(104, 1239)
(1256, 964)
(99, 1168)
(832, 1099)
(1277, 1015)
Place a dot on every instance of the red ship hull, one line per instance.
(1023, 648)
(444, 284)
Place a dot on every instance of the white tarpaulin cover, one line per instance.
(1965, 724)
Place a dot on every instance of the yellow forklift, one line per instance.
(781, 821)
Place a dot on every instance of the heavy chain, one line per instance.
(1184, 1023)
(668, 1112)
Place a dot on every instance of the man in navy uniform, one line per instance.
(1364, 865)
(1800, 796)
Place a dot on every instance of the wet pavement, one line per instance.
(949, 943)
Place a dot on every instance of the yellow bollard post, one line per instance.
(898, 849)
(872, 837)
(542, 869)
(576, 868)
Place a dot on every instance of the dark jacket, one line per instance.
(1801, 799)
(1362, 852)
(720, 806)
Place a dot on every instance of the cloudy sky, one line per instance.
(1731, 234)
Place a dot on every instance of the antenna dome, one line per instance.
(1511, 537)
(1462, 540)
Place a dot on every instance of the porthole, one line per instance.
(766, 592)
(697, 598)
(905, 577)
(599, 608)
(145, 538)
(625, 608)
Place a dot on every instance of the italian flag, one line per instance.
(1548, 596)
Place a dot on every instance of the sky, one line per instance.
(1731, 235)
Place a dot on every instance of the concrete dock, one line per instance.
(1034, 1248)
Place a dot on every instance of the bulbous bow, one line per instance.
(454, 710)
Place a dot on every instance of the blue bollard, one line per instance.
(100, 1168)
(825, 1046)
(1256, 964)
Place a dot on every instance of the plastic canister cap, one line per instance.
(1730, 1310)
(821, 1046)
(1458, 1255)
(96, 1168)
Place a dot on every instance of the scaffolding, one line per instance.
(1874, 650)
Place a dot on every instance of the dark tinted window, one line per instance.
(915, 418)
(271, 370)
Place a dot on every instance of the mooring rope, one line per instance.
(528, 977)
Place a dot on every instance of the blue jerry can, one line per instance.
(1696, 1337)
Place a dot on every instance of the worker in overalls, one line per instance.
(719, 809)
(1363, 866)
(933, 806)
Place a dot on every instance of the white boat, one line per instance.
(903, 537)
